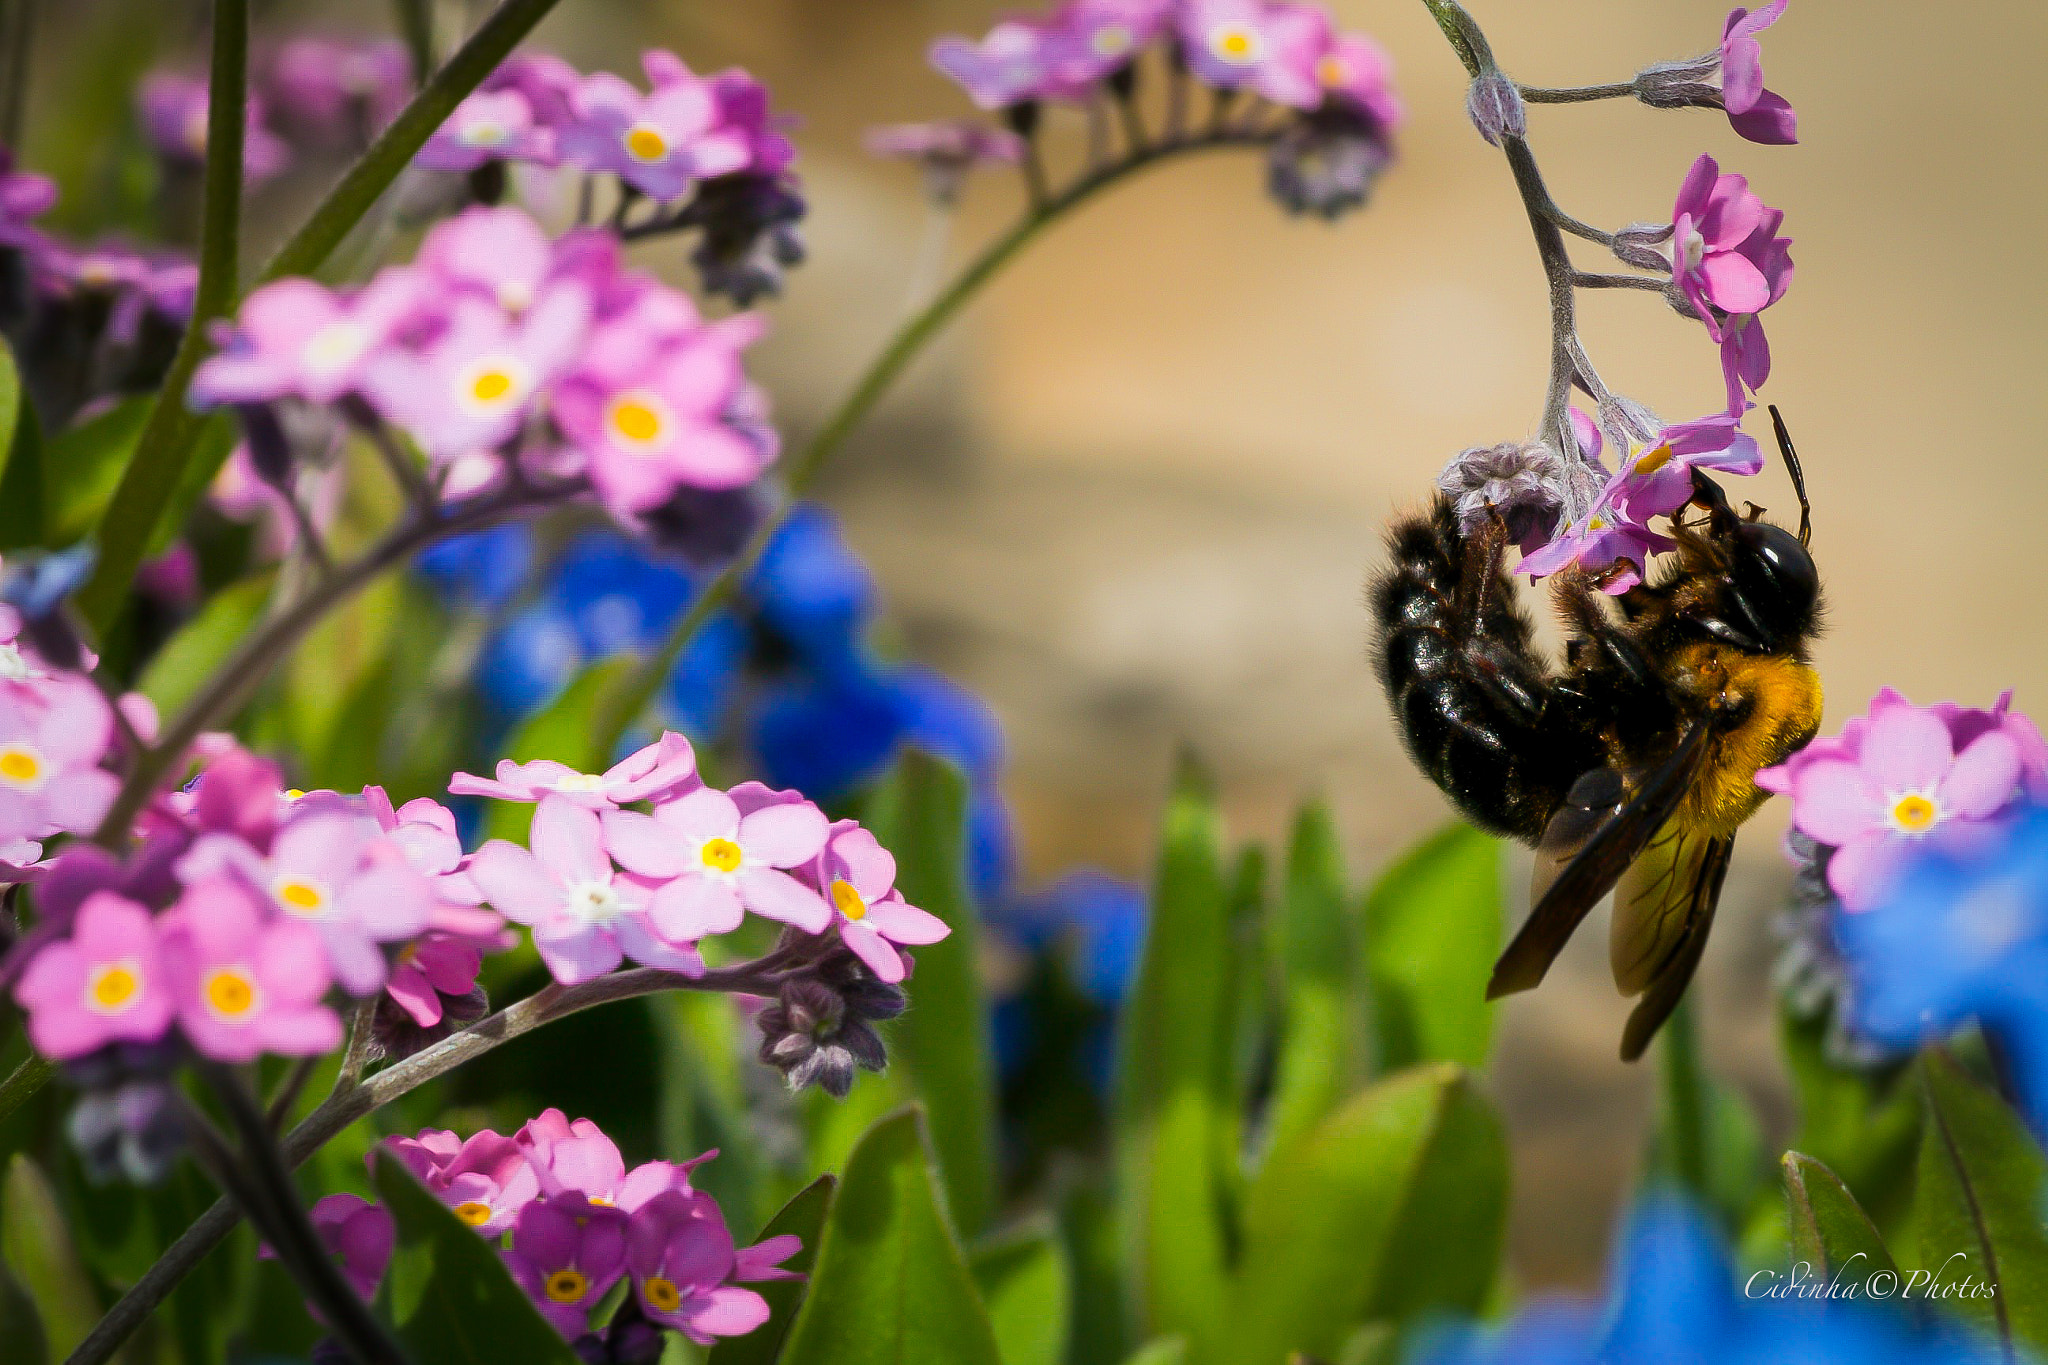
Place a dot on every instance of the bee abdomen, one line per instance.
(1473, 705)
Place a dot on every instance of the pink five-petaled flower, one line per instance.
(718, 854)
(566, 1252)
(296, 338)
(244, 986)
(333, 869)
(656, 772)
(660, 143)
(1271, 49)
(173, 110)
(423, 831)
(1608, 542)
(1357, 69)
(103, 984)
(584, 916)
(858, 876)
(356, 1233)
(1726, 253)
(577, 1157)
(1656, 480)
(53, 734)
(1906, 784)
(1012, 64)
(680, 1255)
(431, 969)
(490, 125)
(1756, 113)
(486, 1180)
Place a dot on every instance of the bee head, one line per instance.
(1769, 590)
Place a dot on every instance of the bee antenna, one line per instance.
(1798, 475)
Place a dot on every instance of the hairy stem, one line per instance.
(1577, 94)
(350, 1103)
(633, 697)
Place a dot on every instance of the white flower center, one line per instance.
(13, 667)
(485, 133)
(580, 782)
(1692, 249)
(594, 902)
(335, 347)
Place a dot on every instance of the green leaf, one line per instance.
(37, 1248)
(920, 815)
(1322, 1041)
(1026, 1284)
(804, 1217)
(11, 401)
(1393, 1207)
(1830, 1231)
(1864, 1126)
(190, 657)
(448, 1293)
(1979, 1204)
(23, 506)
(891, 1287)
(1432, 930)
(82, 464)
(1174, 1106)
(1165, 1351)
(20, 1327)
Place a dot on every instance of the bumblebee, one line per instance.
(1634, 765)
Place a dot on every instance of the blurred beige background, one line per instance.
(1132, 498)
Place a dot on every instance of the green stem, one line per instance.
(32, 1075)
(168, 438)
(416, 26)
(1685, 1103)
(632, 697)
(172, 429)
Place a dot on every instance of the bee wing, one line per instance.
(1605, 823)
(1683, 912)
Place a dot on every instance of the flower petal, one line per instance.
(1832, 802)
(779, 896)
(783, 836)
(1984, 779)
(1907, 749)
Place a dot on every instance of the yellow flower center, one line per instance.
(638, 418)
(112, 987)
(567, 1286)
(301, 897)
(579, 782)
(1914, 813)
(484, 133)
(847, 899)
(488, 386)
(644, 143)
(1650, 461)
(294, 793)
(473, 1212)
(662, 1294)
(229, 992)
(1332, 71)
(20, 765)
(1111, 40)
(721, 855)
(1235, 43)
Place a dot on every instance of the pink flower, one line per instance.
(23, 195)
(659, 770)
(336, 91)
(1898, 778)
(651, 417)
(1103, 37)
(355, 1232)
(1745, 357)
(245, 987)
(1011, 64)
(485, 1180)
(424, 832)
(174, 116)
(661, 143)
(547, 82)
(1726, 253)
(763, 1260)
(1270, 49)
(335, 870)
(1608, 543)
(53, 734)
(744, 118)
(858, 877)
(1656, 479)
(716, 855)
(502, 255)
(584, 916)
(296, 338)
(680, 1255)
(565, 1254)
(490, 125)
(436, 965)
(104, 984)
(1756, 113)
(1357, 69)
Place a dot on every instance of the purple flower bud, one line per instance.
(749, 234)
(821, 1027)
(1521, 482)
(1326, 162)
(1496, 107)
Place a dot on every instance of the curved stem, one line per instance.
(353, 1102)
(632, 699)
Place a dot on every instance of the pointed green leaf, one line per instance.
(803, 1217)
(1026, 1285)
(448, 1292)
(891, 1287)
(1393, 1207)
(37, 1248)
(1979, 1204)
(1864, 1125)
(82, 464)
(1165, 1351)
(24, 507)
(190, 657)
(1323, 1040)
(1432, 930)
(1175, 1110)
(20, 1326)
(10, 402)
(1830, 1231)
(920, 816)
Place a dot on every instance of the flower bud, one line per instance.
(1496, 107)
(1326, 162)
(1518, 481)
(821, 1027)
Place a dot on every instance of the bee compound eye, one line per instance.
(1781, 565)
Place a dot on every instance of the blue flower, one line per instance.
(1102, 917)
(36, 586)
(810, 590)
(480, 568)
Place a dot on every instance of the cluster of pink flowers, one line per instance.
(1902, 777)
(243, 908)
(600, 883)
(578, 1222)
(504, 355)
